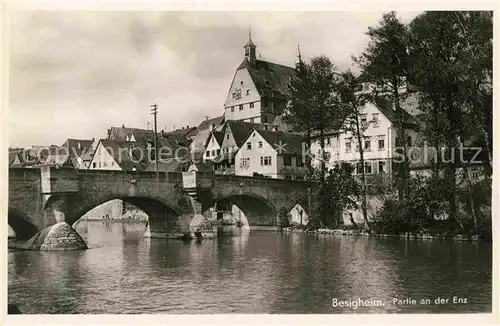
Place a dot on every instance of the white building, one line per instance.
(213, 146)
(258, 92)
(271, 154)
(379, 142)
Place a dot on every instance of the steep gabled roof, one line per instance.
(74, 149)
(386, 109)
(240, 130)
(207, 123)
(270, 79)
(12, 159)
(120, 151)
(284, 143)
(121, 133)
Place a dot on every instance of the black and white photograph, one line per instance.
(256, 162)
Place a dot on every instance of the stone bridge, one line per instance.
(42, 197)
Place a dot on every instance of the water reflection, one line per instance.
(250, 272)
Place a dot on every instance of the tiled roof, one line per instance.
(121, 133)
(187, 132)
(270, 79)
(120, 152)
(240, 130)
(207, 123)
(389, 113)
(74, 150)
(12, 158)
(285, 143)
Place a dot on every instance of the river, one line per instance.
(252, 272)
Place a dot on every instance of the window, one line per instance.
(347, 145)
(475, 173)
(237, 94)
(363, 120)
(264, 102)
(368, 167)
(357, 146)
(251, 105)
(245, 162)
(359, 168)
(241, 107)
(375, 120)
(381, 144)
(94, 165)
(368, 145)
(112, 163)
(287, 160)
(288, 177)
(227, 136)
(408, 141)
(298, 161)
(328, 156)
(328, 141)
(232, 109)
(265, 160)
(218, 152)
(213, 140)
(251, 120)
(248, 92)
(241, 82)
(260, 144)
(104, 164)
(249, 145)
(381, 167)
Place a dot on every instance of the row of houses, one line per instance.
(249, 139)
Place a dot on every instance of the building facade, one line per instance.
(259, 89)
(379, 142)
(271, 154)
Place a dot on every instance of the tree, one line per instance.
(314, 101)
(454, 73)
(341, 191)
(384, 64)
(353, 103)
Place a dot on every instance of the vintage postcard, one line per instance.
(169, 160)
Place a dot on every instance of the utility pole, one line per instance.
(154, 112)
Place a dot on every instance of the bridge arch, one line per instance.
(248, 208)
(21, 224)
(156, 207)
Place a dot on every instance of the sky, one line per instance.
(74, 74)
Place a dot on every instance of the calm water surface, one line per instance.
(253, 272)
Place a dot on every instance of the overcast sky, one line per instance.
(75, 74)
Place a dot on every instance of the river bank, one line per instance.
(407, 235)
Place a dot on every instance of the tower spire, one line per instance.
(300, 64)
(250, 48)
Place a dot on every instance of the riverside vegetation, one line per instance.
(445, 60)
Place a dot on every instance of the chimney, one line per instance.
(212, 126)
(187, 127)
(123, 126)
(275, 128)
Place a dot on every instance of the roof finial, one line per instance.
(249, 33)
(298, 49)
